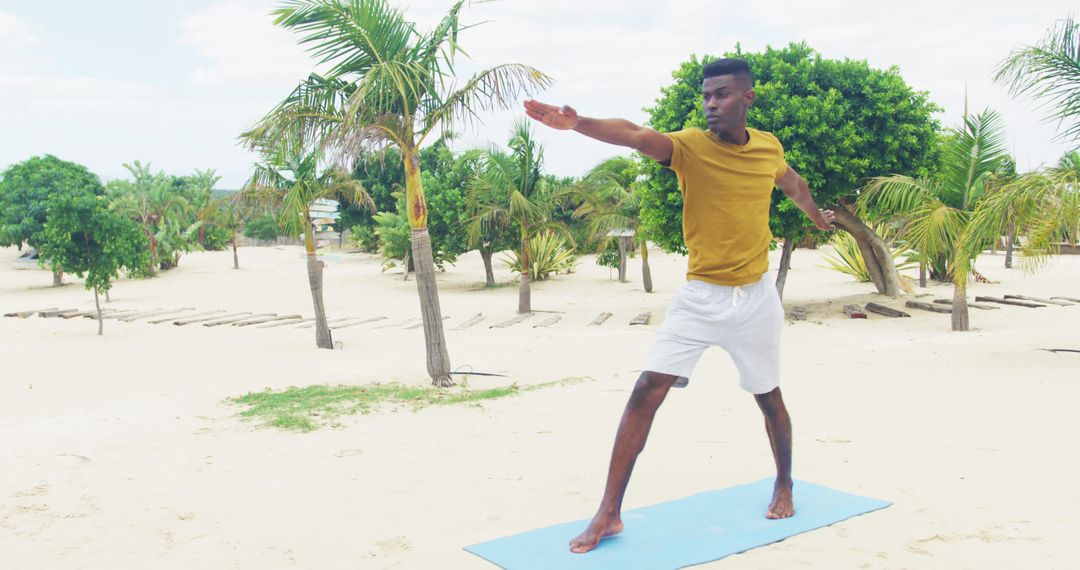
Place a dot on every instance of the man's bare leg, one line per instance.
(778, 426)
(649, 392)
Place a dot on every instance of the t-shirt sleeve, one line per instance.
(679, 149)
(781, 164)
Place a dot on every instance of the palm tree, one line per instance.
(610, 204)
(149, 199)
(1049, 72)
(1045, 204)
(936, 211)
(508, 191)
(389, 85)
(291, 184)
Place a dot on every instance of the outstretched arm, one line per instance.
(613, 131)
(796, 189)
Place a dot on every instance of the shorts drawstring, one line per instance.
(736, 293)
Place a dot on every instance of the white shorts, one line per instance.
(745, 321)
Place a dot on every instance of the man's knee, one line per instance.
(651, 388)
(771, 403)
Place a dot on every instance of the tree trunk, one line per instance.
(108, 299)
(1009, 241)
(785, 264)
(875, 253)
(315, 281)
(405, 264)
(438, 356)
(525, 288)
(57, 276)
(489, 274)
(959, 306)
(100, 321)
(646, 273)
(922, 274)
(235, 259)
(622, 259)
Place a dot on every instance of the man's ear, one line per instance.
(750, 96)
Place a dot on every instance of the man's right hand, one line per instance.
(562, 119)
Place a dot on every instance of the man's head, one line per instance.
(727, 90)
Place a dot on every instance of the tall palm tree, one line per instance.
(609, 203)
(936, 211)
(1049, 72)
(507, 191)
(389, 85)
(291, 184)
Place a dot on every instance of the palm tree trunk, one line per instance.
(438, 356)
(959, 305)
(646, 273)
(622, 259)
(315, 281)
(235, 259)
(525, 289)
(875, 253)
(100, 321)
(489, 274)
(922, 274)
(108, 299)
(785, 264)
(57, 276)
(1009, 241)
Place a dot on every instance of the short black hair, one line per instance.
(728, 66)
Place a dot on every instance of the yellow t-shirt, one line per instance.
(726, 192)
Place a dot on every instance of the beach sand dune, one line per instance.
(120, 451)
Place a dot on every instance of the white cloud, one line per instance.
(244, 47)
(15, 33)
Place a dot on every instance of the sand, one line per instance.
(120, 451)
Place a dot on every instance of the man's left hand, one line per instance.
(825, 220)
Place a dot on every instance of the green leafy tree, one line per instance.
(936, 211)
(840, 122)
(1049, 72)
(508, 190)
(25, 189)
(291, 184)
(154, 201)
(84, 237)
(389, 84)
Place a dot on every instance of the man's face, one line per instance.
(724, 99)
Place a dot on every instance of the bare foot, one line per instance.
(782, 505)
(600, 527)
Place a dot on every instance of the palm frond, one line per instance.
(494, 88)
(897, 195)
(1049, 72)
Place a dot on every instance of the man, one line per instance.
(726, 175)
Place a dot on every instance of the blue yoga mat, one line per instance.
(698, 529)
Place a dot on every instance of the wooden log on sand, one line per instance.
(267, 319)
(1008, 302)
(928, 307)
(548, 321)
(1071, 299)
(25, 314)
(970, 304)
(138, 314)
(471, 322)
(112, 315)
(798, 314)
(284, 323)
(84, 313)
(599, 320)
(1038, 300)
(511, 322)
(883, 310)
(360, 322)
(311, 322)
(172, 312)
(854, 312)
(418, 325)
(642, 319)
(167, 319)
(189, 321)
(55, 313)
(237, 319)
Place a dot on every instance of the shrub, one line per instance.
(264, 227)
(548, 254)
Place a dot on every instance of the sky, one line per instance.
(174, 82)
